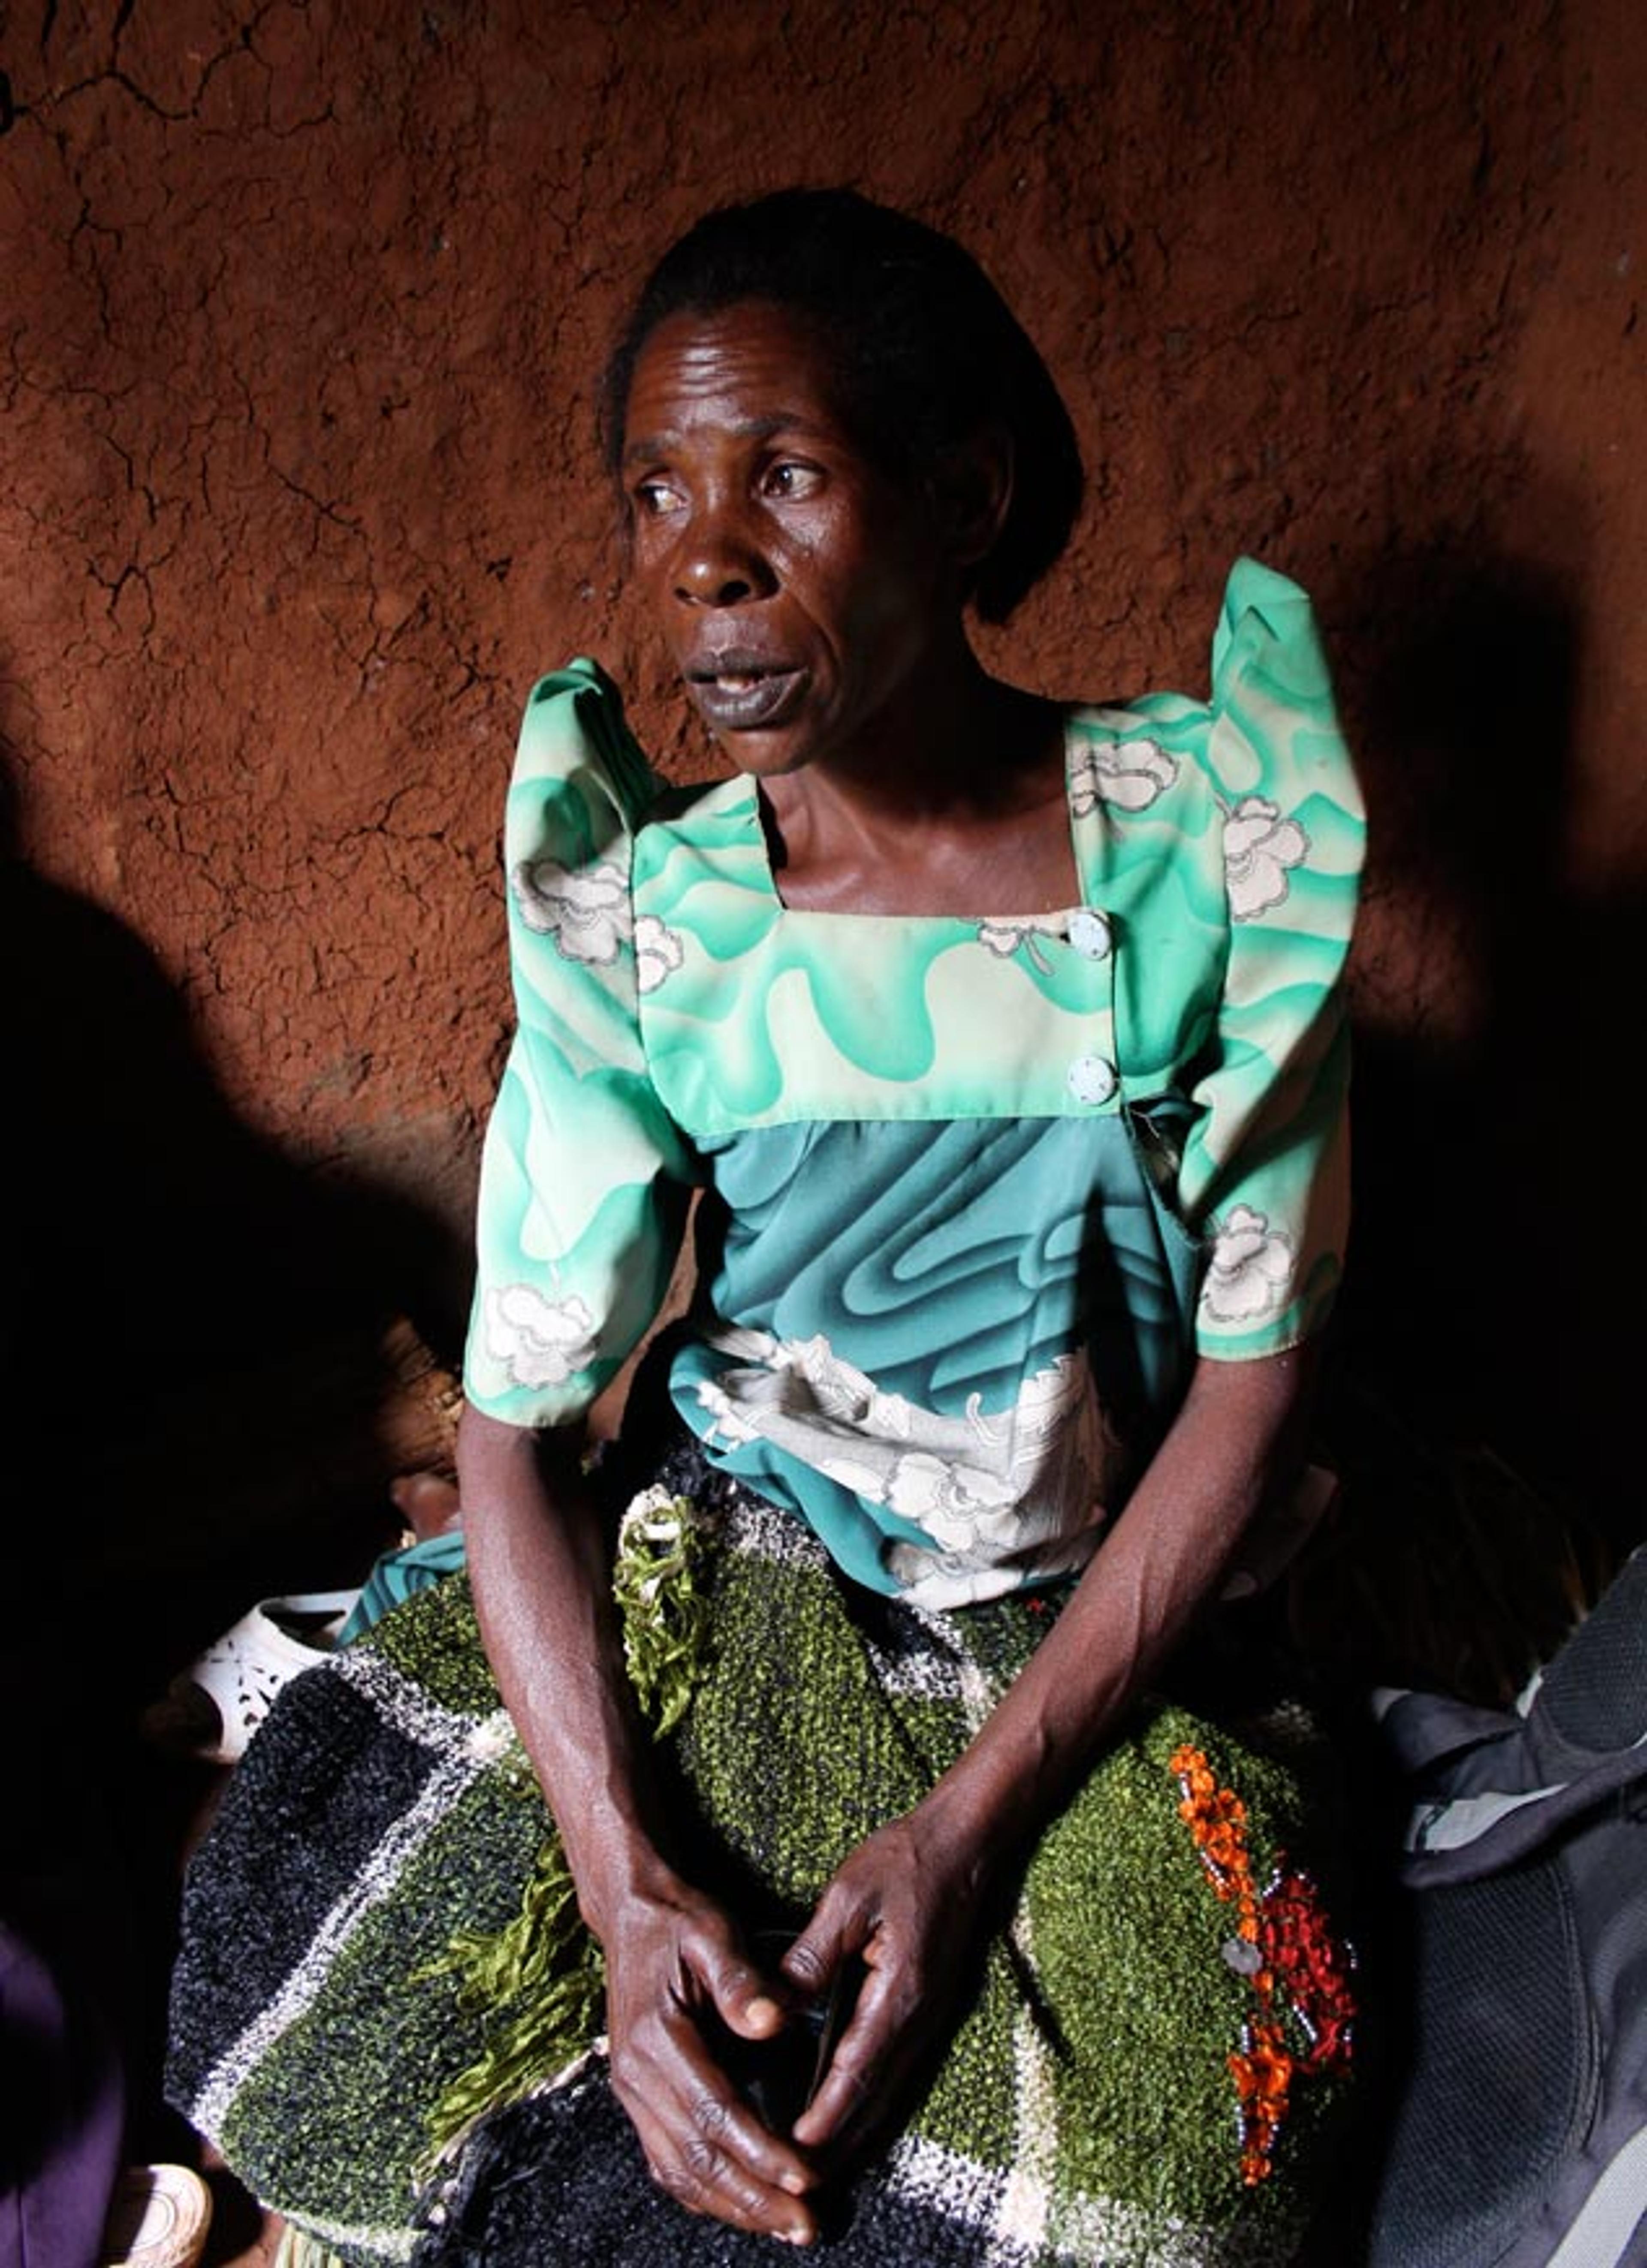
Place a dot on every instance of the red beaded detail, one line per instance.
(1302, 2008)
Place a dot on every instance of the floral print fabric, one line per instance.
(974, 1191)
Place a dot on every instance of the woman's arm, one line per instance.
(904, 1897)
(542, 1579)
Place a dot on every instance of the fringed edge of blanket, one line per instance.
(543, 1971)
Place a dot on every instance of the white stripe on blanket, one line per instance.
(387, 2243)
(1019, 2226)
(406, 1708)
(371, 1886)
(1024, 2207)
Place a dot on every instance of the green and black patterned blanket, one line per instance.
(387, 2014)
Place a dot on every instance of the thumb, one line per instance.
(829, 1938)
(742, 1998)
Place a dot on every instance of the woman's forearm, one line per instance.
(906, 1897)
(540, 1566)
(1237, 1436)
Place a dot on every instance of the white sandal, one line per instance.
(160, 2217)
(217, 1703)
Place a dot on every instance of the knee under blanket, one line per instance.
(1148, 2072)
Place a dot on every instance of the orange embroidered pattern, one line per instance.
(1302, 2008)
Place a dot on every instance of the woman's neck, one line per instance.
(960, 808)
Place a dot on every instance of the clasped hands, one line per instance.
(894, 1914)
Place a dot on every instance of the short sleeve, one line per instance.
(1264, 1175)
(585, 1177)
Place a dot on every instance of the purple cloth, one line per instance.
(59, 2149)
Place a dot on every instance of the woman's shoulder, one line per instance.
(1269, 703)
(1262, 613)
(1267, 645)
(576, 750)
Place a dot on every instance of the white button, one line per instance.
(1091, 1079)
(1089, 933)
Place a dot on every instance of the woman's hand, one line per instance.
(673, 1964)
(907, 1905)
(911, 1899)
(539, 1560)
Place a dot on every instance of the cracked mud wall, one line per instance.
(300, 307)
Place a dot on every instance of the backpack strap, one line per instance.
(1611, 2215)
(1425, 1729)
(1502, 1783)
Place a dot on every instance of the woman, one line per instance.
(1001, 1042)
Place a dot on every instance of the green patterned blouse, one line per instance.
(975, 1192)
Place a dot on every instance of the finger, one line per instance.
(741, 1997)
(694, 2168)
(712, 2146)
(866, 2058)
(840, 1928)
(692, 2094)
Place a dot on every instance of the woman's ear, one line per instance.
(971, 489)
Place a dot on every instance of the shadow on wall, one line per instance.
(199, 1334)
(214, 1364)
(1486, 1417)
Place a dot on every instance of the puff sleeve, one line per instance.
(585, 1177)
(1264, 1175)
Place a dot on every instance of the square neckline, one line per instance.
(746, 792)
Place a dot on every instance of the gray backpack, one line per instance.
(1521, 2138)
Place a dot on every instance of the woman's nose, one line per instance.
(719, 565)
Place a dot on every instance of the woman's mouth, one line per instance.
(740, 697)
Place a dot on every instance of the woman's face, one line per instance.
(801, 590)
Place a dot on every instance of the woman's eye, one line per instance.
(787, 480)
(652, 497)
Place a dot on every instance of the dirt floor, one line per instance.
(242, 2235)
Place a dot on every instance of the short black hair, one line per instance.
(926, 352)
